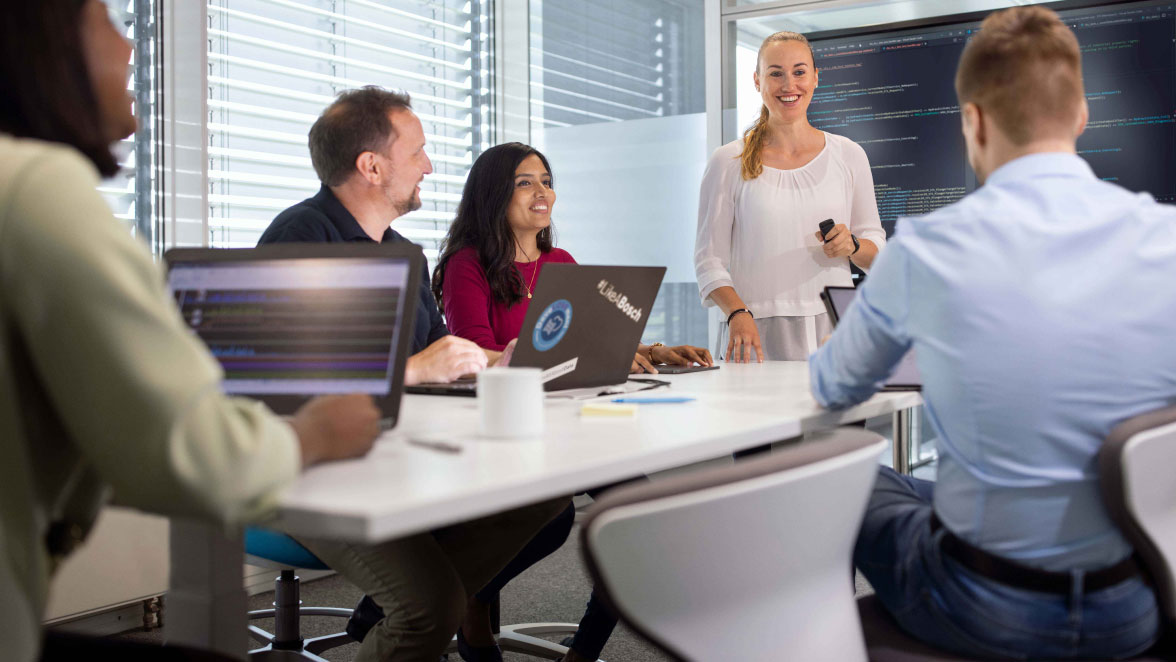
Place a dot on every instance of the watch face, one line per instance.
(856, 244)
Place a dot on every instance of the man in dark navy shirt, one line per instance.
(323, 218)
(369, 179)
(368, 150)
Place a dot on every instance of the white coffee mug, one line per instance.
(510, 402)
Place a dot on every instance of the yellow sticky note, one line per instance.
(608, 409)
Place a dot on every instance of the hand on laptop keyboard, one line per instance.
(444, 361)
(336, 427)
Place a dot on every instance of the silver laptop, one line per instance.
(291, 321)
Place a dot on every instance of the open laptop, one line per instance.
(582, 327)
(291, 321)
(906, 375)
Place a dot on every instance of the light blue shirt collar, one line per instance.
(1042, 163)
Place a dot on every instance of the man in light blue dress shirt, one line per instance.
(1042, 313)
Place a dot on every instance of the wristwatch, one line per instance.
(856, 244)
(736, 312)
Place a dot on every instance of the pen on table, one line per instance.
(443, 446)
(653, 400)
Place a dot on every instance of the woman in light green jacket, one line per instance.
(103, 391)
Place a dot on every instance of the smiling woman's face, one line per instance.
(786, 78)
(530, 206)
(108, 59)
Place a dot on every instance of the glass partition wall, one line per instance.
(617, 105)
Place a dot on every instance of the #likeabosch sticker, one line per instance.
(552, 325)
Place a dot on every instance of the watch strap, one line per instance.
(736, 312)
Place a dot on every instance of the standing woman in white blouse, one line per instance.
(759, 255)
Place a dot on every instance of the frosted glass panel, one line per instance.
(617, 107)
(628, 191)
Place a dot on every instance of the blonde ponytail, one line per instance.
(753, 146)
(753, 137)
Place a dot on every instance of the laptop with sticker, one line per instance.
(585, 322)
(582, 327)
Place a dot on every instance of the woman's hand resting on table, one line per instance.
(742, 338)
(649, 356)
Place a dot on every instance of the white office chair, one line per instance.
(1136, 478)
(746, 562)
(1136, 467)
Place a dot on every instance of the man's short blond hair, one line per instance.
(1024, 69)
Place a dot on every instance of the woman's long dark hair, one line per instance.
(45, 88)
(481, 222)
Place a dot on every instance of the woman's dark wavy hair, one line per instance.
(45, 88)
(481, 222)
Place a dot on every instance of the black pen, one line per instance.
(443, 446)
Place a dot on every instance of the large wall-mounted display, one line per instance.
(891, 90)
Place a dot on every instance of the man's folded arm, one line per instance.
(870, 339)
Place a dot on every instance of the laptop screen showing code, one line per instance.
(296, 326)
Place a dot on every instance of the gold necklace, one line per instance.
(533, 273)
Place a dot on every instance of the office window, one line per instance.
(275, 64)
(131, 193)
(617, 106)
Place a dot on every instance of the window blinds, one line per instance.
(275, 64)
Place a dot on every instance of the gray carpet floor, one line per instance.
(554, 590)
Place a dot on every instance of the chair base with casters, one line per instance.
(524, 639)
(271, 549)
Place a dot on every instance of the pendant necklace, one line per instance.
(532, 283)
(533, 273)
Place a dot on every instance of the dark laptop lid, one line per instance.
(906, 375)
(291, 321)
(586, 321)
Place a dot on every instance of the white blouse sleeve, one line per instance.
(716, 217)
(863, 214)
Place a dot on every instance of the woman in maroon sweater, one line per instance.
(490, 263)
(497, 246)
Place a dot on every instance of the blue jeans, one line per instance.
(940, 602)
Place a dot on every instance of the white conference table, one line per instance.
(401, 488)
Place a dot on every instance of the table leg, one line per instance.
(206, 603)
(903, 440)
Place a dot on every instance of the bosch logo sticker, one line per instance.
(552, 325)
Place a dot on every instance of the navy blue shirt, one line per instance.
(324, 219)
